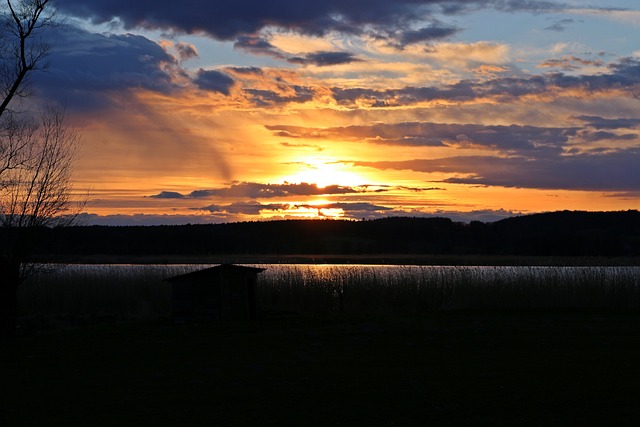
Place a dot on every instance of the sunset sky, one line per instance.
(218, 111)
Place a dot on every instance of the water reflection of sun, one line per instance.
(322, 208)
(310, 209)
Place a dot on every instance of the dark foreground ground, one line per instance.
(451, 369)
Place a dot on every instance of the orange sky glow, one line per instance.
(478, 111)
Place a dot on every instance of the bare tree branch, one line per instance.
(23, 49)
(36, 190)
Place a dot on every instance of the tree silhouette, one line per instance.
(37, 151)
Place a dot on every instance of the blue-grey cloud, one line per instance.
(258, 45)
(622, 75)
(147, 219)
(598, 122)
(264, 98)
(85, 68)
(436, 31)
(509, 139)
(560, 25)
(168, 195)
(221, 214)
(606, 171)
(589, 136)
(243, 208)
(229, 20)
(256, 71)
(322, 59)
(255, 190)
(214, 81)
(570, 63)
(186, 51)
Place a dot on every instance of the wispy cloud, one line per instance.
(560, 25)
(571, 62)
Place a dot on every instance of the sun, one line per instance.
(324, 172)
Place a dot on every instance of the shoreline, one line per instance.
(369, 259)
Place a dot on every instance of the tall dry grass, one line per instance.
(410, 289)
(75, 295)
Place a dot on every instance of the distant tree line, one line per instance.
(550, 234)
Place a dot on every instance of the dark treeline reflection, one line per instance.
(553, 234)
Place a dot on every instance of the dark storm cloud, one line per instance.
(623, 75)
(609, 171)
(322, 59)
(229, 20)
(510, 139)
(85, 68)
(255, 190)
(214, 81)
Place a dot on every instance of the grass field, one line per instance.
(464, 368)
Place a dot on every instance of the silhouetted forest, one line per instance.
(552, 234)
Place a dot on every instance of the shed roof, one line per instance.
(212, 272)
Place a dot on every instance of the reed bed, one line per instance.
(74, 295)
(410, 289)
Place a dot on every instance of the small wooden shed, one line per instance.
(223, 292)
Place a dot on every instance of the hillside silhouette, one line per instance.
(566, 233)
